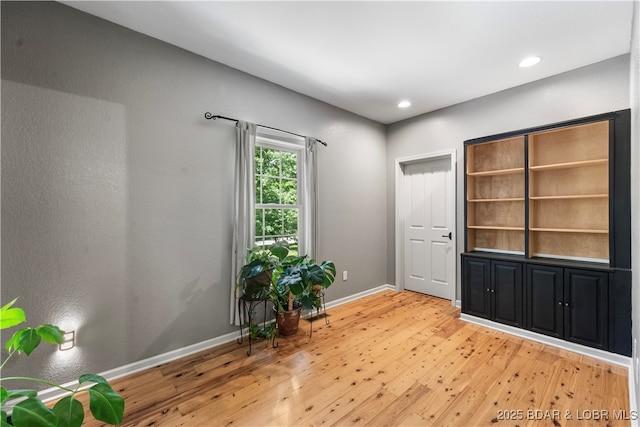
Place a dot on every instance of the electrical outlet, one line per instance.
(344, 275)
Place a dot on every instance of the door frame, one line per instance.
(400, 163)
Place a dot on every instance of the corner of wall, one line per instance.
(634, 98)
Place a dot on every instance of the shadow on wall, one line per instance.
(195, 302)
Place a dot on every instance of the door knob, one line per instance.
(447, 235)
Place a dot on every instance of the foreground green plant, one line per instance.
(256, 331)
(105, 404)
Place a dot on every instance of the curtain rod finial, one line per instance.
(208, 116)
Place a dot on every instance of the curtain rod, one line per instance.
(210, 116)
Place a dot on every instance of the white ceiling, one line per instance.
(366, 56)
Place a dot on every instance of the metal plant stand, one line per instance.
(324, 310)
(246, 310)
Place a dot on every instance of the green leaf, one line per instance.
(297, 288)
(51, 333)
(70, 412)
(33, 413)
(252, 269)
(13, 394)
(3, 394)
(14, 341)
(11, 316)
(29, 340)
(329, 269)
(280, 250)
(106, 405)
(93, 378)
(315, 275)
(3, 419)
(307, 302)
(290, 276)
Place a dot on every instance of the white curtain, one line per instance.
(244, 207)
(310, 196)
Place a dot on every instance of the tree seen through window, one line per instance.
(277, 199)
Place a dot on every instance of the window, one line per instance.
(279, 202)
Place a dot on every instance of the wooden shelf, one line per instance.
(569, 191)
(570, 197)
(570, 230)
(496, 194)
(508, 199)
(497, 172)
(583, 163)
(494, 227)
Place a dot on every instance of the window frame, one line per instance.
(291, 145)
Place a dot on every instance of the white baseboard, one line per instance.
(54, 393)
(360, 295)
(122, 371)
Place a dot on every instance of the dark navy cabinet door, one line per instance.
(586, 307)
(506, 292)
(476, 287)
(545, 300)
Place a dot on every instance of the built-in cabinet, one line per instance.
(568, 303)
(494, 289)
(547, 230)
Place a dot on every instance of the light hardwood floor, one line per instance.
(391, 359)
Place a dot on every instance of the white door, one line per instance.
(427, 233)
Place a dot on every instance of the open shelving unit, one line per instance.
(495, 196)
(565, 211)
(569, 193)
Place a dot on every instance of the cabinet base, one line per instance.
(616, 359)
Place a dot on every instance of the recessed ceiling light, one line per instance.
(528, 62)
(404, 104)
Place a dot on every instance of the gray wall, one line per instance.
(635, 186)
(116, 216)
(598, 88)
(115, 190)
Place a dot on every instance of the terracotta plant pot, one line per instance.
(288, 321)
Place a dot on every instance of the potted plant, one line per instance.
(255, 276)
(297, 284)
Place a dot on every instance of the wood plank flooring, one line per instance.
(391, 359)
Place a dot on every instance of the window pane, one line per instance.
(258, 157)
(259, 223)
(270, 162)
(289, 165)
(259, 241)
(293, 247)
(258, 189)
(273, 225)
(270, 190)
(290, 221)
(277, 184)
(289, 191)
